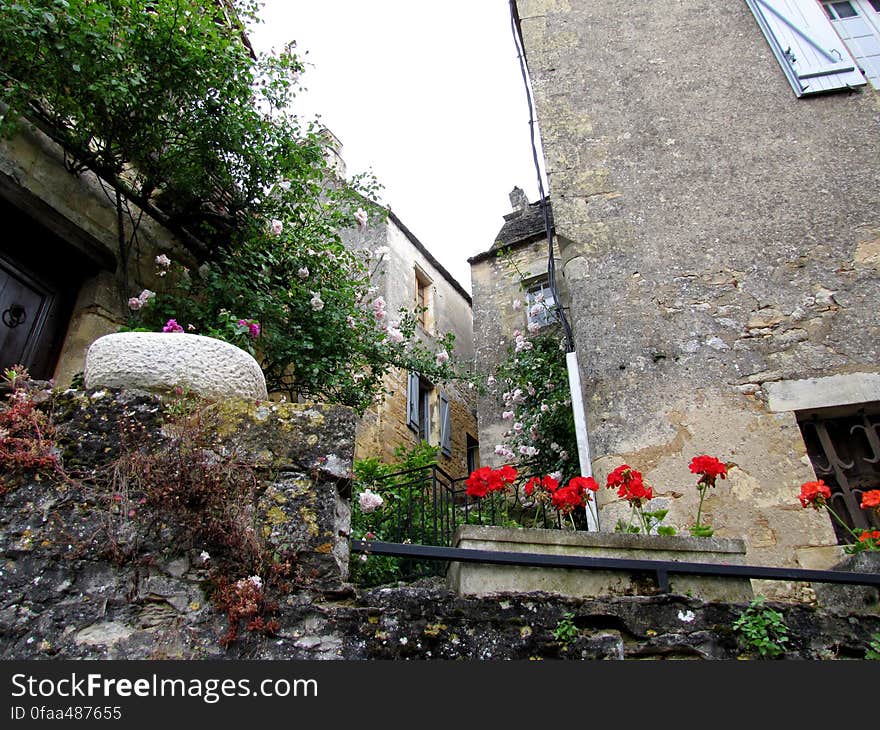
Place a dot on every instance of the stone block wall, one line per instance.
(719, 238)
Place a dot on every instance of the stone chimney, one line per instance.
(333, 152)
(518, 200)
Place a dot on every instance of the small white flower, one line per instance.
(163, 261)
(381, 251)
(557, 475)
(316, 301)
(256, 580)
(276, 227)
(369, 501)
(516, 304)
(686, 616)
(395, 335)
(517, 427)
(442, 357)
(507, 415)
(360, 215)
(204, 556)
(303, 273)
(490, 381)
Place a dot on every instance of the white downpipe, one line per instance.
(580, 429)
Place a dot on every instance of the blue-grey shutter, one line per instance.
(808, 49)
(412, 401)
(445, 426)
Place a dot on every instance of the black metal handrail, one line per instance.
(660, 568)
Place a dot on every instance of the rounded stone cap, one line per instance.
(161, 361)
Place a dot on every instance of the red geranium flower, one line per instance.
(814, 494)
(869, 535)
(568, 498)
(477, 484)
(871, 499)
(584, 483)
(709, 467)
(507, 474)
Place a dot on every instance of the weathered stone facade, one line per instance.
(384, 427)
(718, 238)
(63, 234)
(519, 251)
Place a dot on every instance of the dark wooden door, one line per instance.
(25, 309)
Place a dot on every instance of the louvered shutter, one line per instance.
(412, 401)
(808, 49)
(445, 426)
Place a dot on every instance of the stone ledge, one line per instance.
(161, 361)
(475, 579)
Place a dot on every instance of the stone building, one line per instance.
(504, 280)
(64, 276)
(416, 409)
(713, 169)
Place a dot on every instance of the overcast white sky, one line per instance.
(429, 97)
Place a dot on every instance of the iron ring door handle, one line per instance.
(14, 316)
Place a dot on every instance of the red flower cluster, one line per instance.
(629, 484)
(872, 536)
(814, 494)
(484, 480)
(871, 499)
(709, 468)
(567, 498)
(574, 494)
(548, 484)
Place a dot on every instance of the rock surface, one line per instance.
(161, 361)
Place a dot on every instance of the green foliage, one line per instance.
(650, 522)
(405, 504)
(873, 651)
(566, 631)
(531, 385)
(762, 629)
(164, 100)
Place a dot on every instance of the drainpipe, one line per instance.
(580, 429)
(571, 361)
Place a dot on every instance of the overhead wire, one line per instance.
(544, 201)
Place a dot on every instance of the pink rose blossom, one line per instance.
(134, 304)
(360, 215)
(277, 227)
(442, 357)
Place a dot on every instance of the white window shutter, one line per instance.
(445, 426)
(412, 401)
(811, 54)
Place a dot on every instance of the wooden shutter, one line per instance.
(412, 401)
(445, 426)
(808, 49)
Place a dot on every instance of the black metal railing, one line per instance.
(425, 505)
(661, 569)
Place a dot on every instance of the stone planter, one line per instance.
(479, 579)
(161, 361)
(851, 598)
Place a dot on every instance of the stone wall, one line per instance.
(81, 577)
(84, 222)
(719, 236)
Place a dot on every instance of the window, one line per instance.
(418, 405)
(445, 426)
(541, 305)
(473, 454)
(857, 22)
(807, 45)
(844, 447)
(423, 307)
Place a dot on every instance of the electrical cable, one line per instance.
(545, 203)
